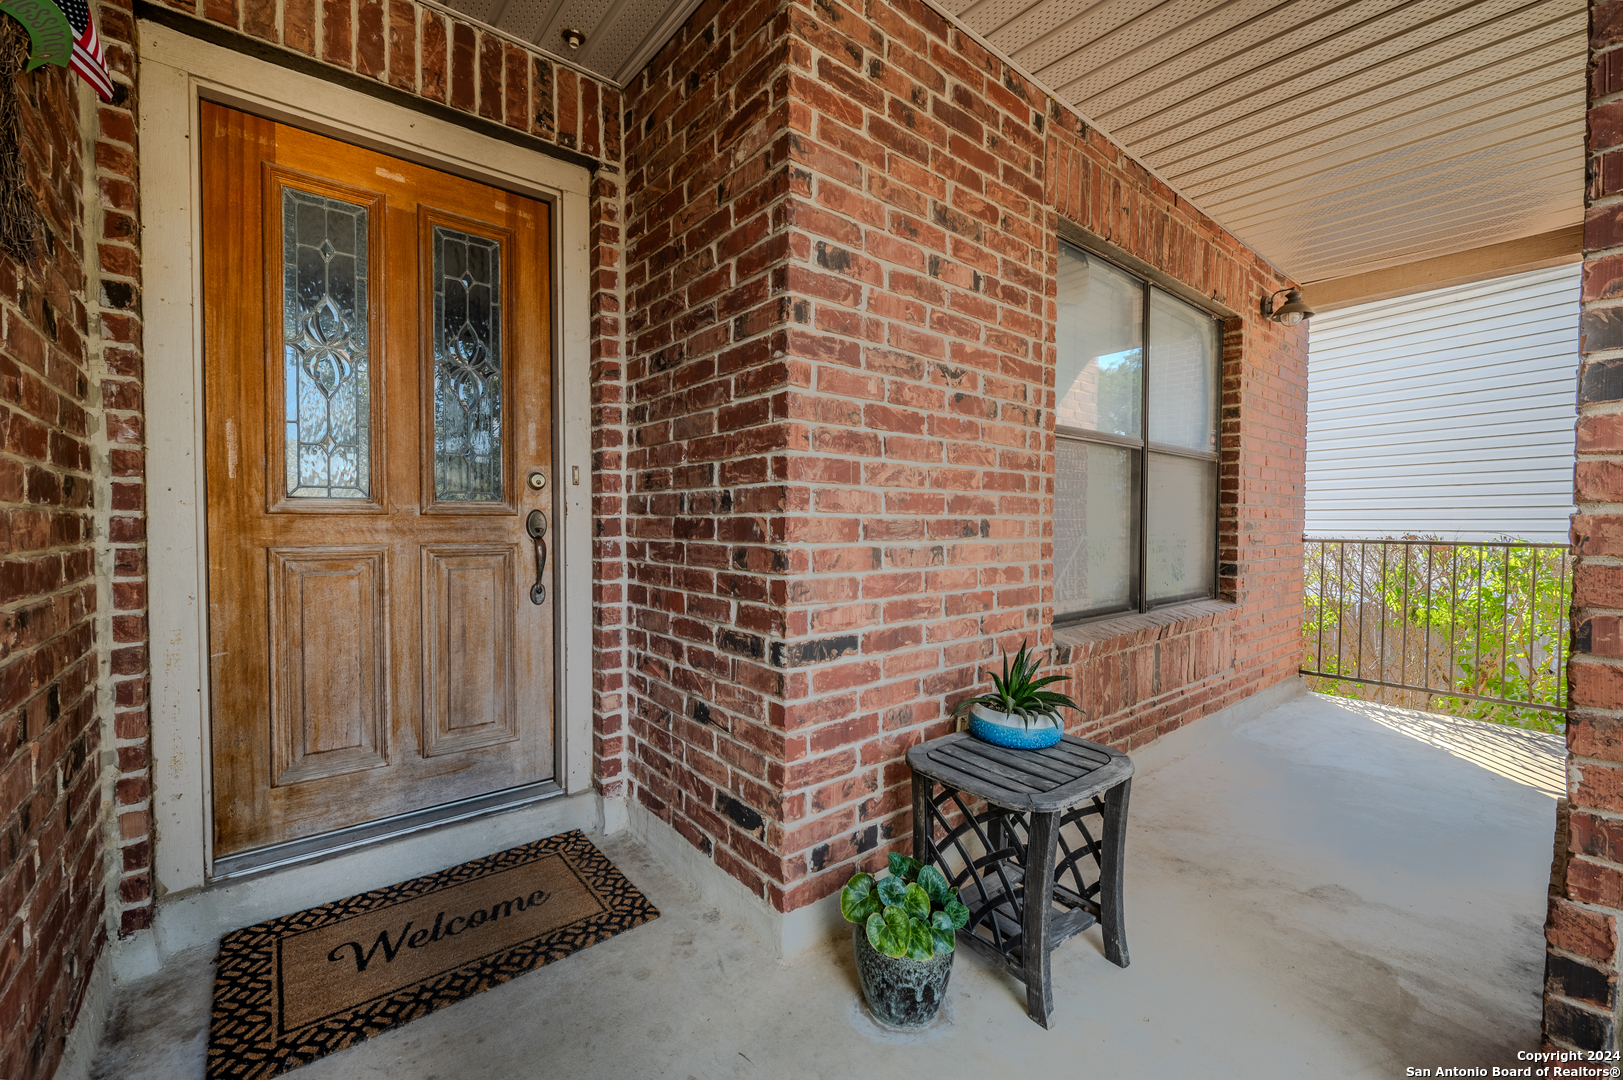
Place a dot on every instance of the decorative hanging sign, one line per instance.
(49, 35)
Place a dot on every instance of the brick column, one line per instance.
(111, 218)
(608, 486)
(1586, 893)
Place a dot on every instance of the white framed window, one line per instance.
(1139, 383)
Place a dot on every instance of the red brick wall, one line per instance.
(438, 57)
(51, 871)
(1160, 674)
(1586, 894)
(840, 303)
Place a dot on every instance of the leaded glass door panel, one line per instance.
(378, 399)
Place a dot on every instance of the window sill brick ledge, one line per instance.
(1076, 643)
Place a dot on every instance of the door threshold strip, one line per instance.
(328, 844)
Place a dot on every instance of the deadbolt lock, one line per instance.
(538, 480)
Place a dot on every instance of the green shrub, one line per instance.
(1455, 620)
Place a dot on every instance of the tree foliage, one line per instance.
(1457, 623)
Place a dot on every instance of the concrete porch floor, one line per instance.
(1329, 889)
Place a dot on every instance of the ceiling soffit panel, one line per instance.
(1254, 102)
(1374, 127)
(1334, 137)
(620, 35)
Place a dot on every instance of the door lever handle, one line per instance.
(536, 526)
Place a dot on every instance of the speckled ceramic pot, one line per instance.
(901, 992)
(1001, 729)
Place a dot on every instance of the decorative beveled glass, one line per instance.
(325, 363)
(467, 367)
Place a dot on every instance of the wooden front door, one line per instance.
(379, 452)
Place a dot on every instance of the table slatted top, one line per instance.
(1044, 781)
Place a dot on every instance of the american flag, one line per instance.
(87, 55)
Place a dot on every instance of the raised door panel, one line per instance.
(328, 644)
(470, 696)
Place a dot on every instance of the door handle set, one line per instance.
(536, 526)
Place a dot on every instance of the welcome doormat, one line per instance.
(294, 989)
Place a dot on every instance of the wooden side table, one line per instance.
(1036, 803)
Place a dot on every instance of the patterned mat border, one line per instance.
(243, 1040)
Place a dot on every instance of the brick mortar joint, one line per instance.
(1588, 961)
(1594, 908)
(1582, 1006)
(1610, 303)
(1601, 812)
(1605, 200)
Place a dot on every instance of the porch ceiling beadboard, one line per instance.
(1332, 136)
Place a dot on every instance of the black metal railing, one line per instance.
(1471, 629)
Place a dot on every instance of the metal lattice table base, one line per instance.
(994, 819)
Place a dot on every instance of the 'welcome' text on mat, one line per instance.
(292, 989)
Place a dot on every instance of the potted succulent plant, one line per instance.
(1018, 713)
(905, 933)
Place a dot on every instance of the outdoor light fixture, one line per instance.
(573, 38)
(1291, 312)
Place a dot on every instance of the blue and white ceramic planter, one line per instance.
(1001, 729)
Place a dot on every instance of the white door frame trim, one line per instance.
(177, 73)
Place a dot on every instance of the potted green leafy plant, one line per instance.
(906, 929)
(1018, 713)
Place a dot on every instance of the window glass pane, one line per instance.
(1184, 352)
(1099, 337)
(326, 382)
(1182, 528)
(467, 367)
(1095, 528)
